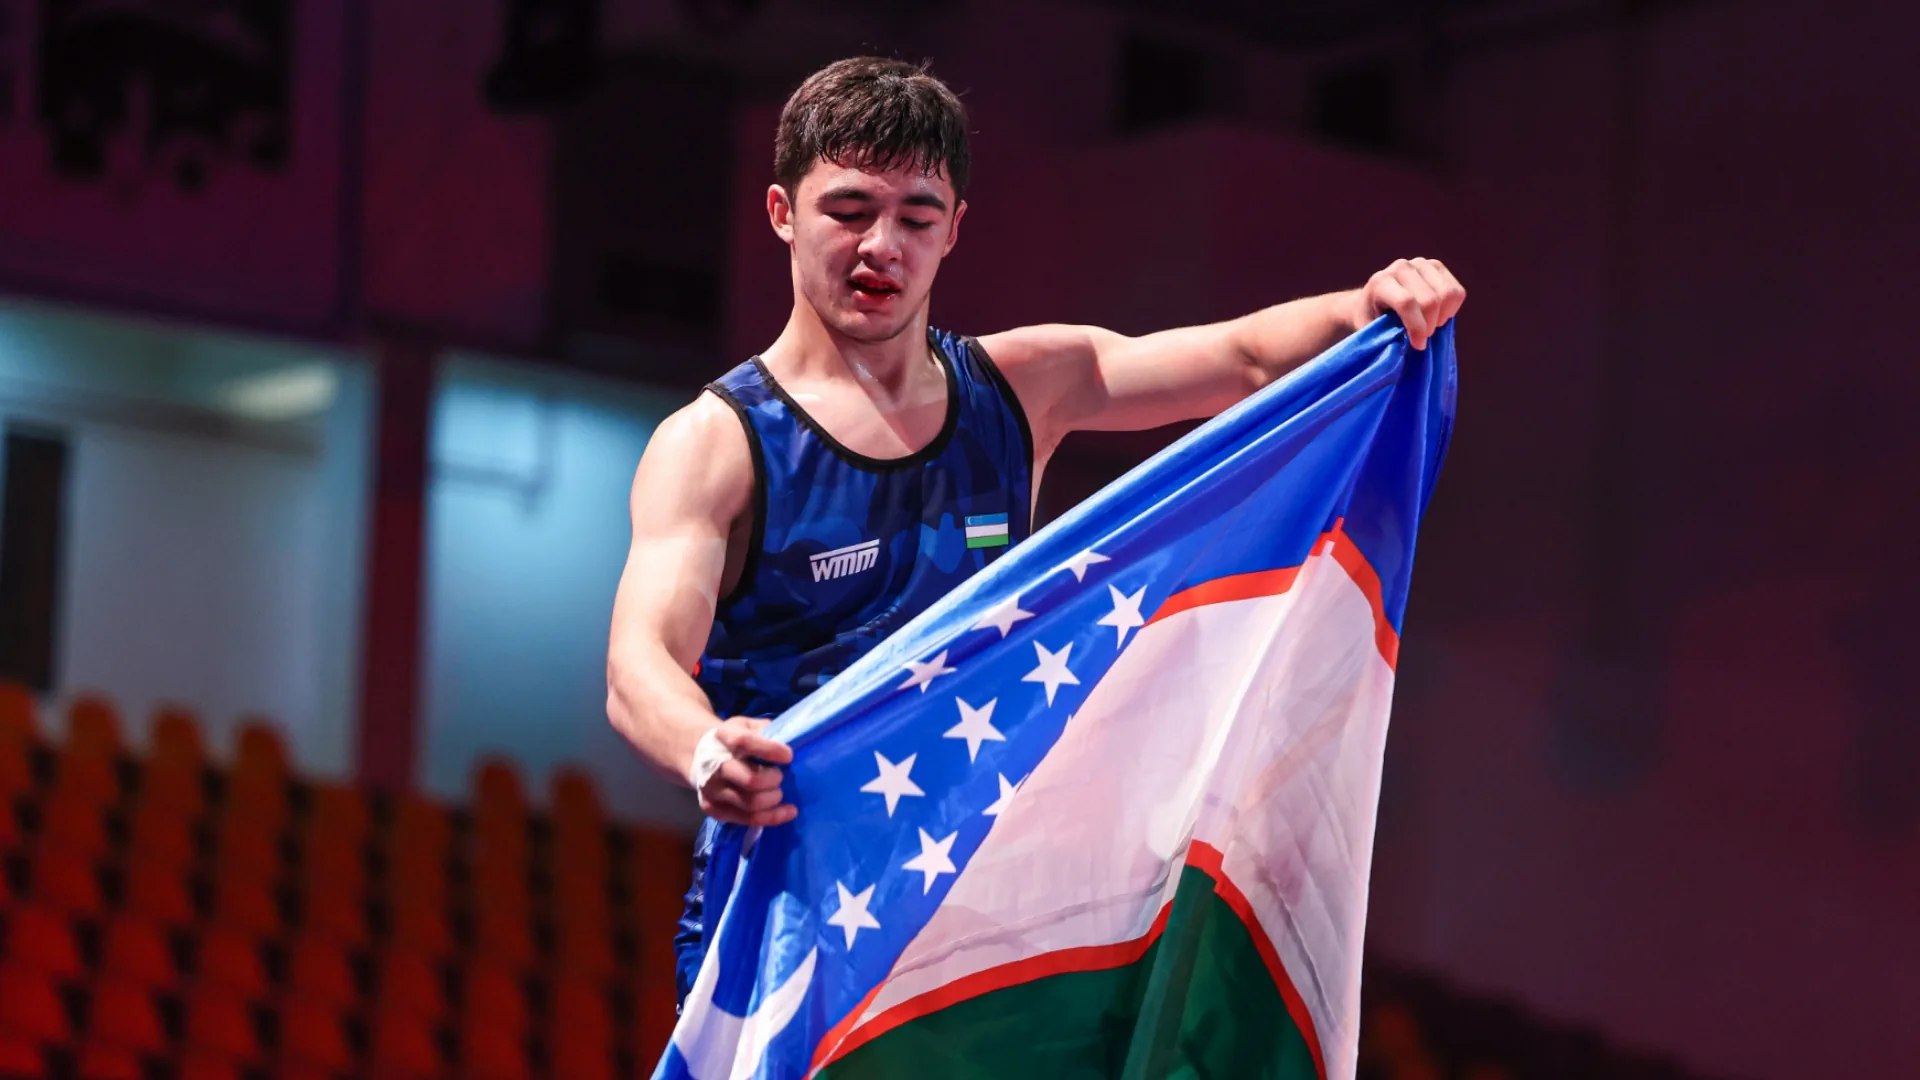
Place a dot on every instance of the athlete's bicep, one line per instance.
(693, 482)
(1078, 378)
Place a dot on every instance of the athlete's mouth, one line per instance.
(873, 286)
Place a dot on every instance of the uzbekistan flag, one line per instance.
(1108, 808)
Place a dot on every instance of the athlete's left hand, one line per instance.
(1423, 292)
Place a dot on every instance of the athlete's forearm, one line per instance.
(1277, 339)
(659, 708)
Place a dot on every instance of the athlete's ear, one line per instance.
(780, 213)
(953, 228)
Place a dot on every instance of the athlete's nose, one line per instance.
(882, 245)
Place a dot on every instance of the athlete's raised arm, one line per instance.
(1072, 378)
(695, 481)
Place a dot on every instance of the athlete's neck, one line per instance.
(892, 368)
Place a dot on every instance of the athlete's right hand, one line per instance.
(742, 774)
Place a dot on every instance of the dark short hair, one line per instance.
(872, 113)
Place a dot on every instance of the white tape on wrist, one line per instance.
(708, 755)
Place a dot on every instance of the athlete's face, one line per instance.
(866, 245)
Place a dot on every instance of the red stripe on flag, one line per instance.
(1234, 587)
(1058, 962)
(1206, 858)
(829, 1047)
(850, 1034)
(1260, 583)
(1361, 571)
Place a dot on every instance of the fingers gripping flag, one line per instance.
(1107, 809)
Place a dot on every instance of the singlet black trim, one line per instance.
(861, 461)
(1019, 413)
(758, 533)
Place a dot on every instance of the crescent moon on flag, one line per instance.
(715, 1042)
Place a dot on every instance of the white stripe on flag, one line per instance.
(986, 530)
(1255, 725)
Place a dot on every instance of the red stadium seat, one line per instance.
(339, 811)
(247, 847)
(67, 881)
(577, 814)
(34, 1009)
(258, 747)
(582, 887)
(16, 769)
(578, 1016)
(335, 912)
(19, 714)
(584, 948)
(124, 1015)
(246, 903)
(97, 1061)
(43, 940)
(581, 1061)
(75, 823)
(659, 866)
(497, 790)
(312, 1035)
(300, 1070)
(198, 1063)
(333, 861)
(422, 926)
(158, 891)
(404, 1047)
(20, 1056)
(222, 1021)
(320, 971)
(416, 882)
(91, 776)
(176, 789)
(494, 995)
(504, 936)
(230, 958)
(491, 1052)
(177, 744)
(410, 982)
(654, 1014)
(162, 831)
(93, 727)
(137, 950)
(260, 799)
(420, 826)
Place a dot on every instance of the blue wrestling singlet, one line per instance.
(846, 549)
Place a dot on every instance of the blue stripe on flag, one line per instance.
(987, 519)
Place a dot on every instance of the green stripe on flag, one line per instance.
(996, 540)
(1198, 1002)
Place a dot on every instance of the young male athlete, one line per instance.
(825, 492)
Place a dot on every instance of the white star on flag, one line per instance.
(975, 726)
(893, 780)
(1007, 791)
(1125, 615)
(933, 859)
(1003, 615)
(1052, 671)
(853, 916)
(924, 674)
(1079, 563)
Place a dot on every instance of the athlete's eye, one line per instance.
(917, 225)
(845, 217)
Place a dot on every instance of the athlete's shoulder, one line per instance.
(698, 454)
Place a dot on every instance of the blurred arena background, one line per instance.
(331, 332)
